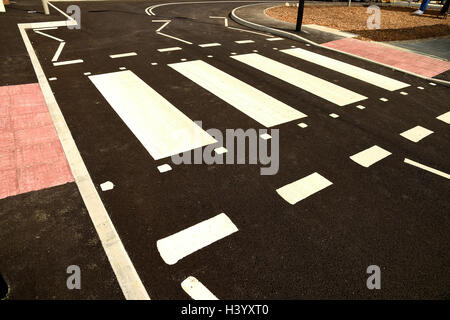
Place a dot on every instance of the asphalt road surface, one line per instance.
(390, 214)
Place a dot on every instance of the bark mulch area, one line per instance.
(396, 23)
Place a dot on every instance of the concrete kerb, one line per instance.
(295, 37)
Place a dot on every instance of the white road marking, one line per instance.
(249, 31)
(127, 277)
(265, 136)
(334, 115)
(58, 51)
(169, 49)
(47, 28)
(63, 63)
(347, 69)
(244, 41)
(275, 48)
(183, 243)
(209, 56)
(420, 88)
(404, 93)
(432, 84)
(122, 68)
(108, 185)
(183, 59)
(122, 55)
(220, 150)
(49, 36)
(361, 107)
(196, 290)
(302, 125)
(166, 22)
(274, 39)
(207, 45)
(87, 73)
(303, 188)
(427, 168)
(154, 63)
(368, 157)
(444, 117)
(161, 128)
(416, 134)
(384, 99)
(225, 20)
(52, 79)
(164, 168)
(300, 79)
(254, 103)
(172, 37)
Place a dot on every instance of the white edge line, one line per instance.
(427, 168)
(49, 36)
(123, 268)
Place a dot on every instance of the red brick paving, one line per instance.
(31, 156)
(409, 61)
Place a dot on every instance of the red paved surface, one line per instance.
(405, 60)
(31, 156)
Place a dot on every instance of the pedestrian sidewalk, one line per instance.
(421, 59)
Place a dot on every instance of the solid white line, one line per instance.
(416, 134)
(58, 51)
(249, 31)
(254, 103)
(207, 45)
(172, 37)
(196, 290)
(427, 168)
(368, 157)
(121, 55)
(303, 188)
(244, 41)
(47, 28)
(49, 36)
(347, 69)
(444, 117)
(317, 86)
(161, 128)
(123, 268)
(183, 243)
(63, 63)
(169, 49)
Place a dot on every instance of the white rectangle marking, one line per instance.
(427, 168)
(274, 39)
(63, 63)
(122, 55)
(196, 290)
(303, 188)
(169, 49)
(444, 117)
(207, 45)
(161, 128)
(368, 157)
(300, 79)
(254, 103)
(244, 41)
(416, 134)
(185, 242)
(348, 69)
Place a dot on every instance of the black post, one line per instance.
(301, 5)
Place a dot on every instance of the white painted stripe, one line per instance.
(62, 63)
(207, 45)
(334, 115)
(444, 117)
(274, 39)
(384, 99)
(251, 101)
(368, 157)
(303, 188)
(161, 128)
(164, 168)
(127, 277)
(300, 79)
(52, 79)
(47, 28)
(244, 41)
(121, 55)
(249, 31)
(169, 49)
(185, 242)
(87, 73)
(220, 150)
(49, 36)
(265, 136)
(427, 168)
(416, 134)
(347, 69)
(302, 125)
(172, 37)
(196, 290)
(58, 51)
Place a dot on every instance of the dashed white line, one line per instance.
(334, 115)
(303, 188)
(244, 41)
(274, 39)
(302, 125)
(208, 45)
(63, 63)
(185, 242)
(368, 157)
(169, 49)
(164, 168)
(122, 55)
